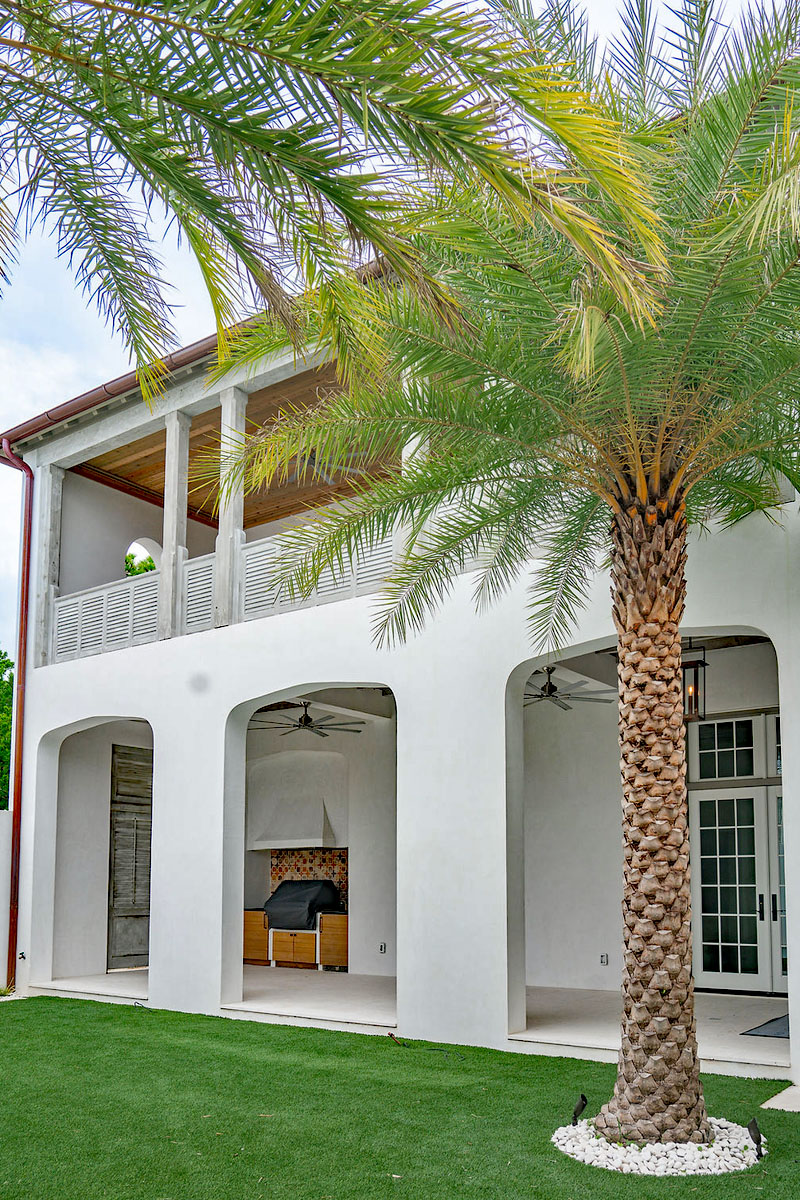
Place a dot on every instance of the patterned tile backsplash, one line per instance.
(310, 864)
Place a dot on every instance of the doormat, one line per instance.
(777, 1027)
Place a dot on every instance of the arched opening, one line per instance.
(569, 771)
(142, 555)
(315, 937)
(101, 901)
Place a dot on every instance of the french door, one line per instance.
(738, 893)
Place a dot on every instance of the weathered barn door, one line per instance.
(129, 871)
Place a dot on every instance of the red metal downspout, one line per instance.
(20, 673)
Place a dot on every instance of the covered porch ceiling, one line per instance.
(138, 468)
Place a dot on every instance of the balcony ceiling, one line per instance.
(138, 468)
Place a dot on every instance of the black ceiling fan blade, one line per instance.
(324, 720)
(293, 729)
(590, 699)
(318, 732)
(532, 700)
(343, 729)
(559, 702)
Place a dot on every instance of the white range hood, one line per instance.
(292, 825)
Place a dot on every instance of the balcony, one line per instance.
(125, 612)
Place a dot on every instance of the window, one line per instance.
(726, 749)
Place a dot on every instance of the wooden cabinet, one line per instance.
(294, 947)
(333, 939)
(256, 934)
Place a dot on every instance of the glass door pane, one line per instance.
(730, 876)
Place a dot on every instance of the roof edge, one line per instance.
(184, 357)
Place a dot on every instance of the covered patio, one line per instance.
(584, 1023)
(329, 999)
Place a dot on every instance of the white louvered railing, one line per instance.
(259, 595)
(198, 594)
(123, 613)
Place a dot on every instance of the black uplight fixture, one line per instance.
(693, 668)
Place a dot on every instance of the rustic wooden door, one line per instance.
(129, 865)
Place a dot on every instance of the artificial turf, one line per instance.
(104, 1100)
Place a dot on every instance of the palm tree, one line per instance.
(282, 139)
(550, 419)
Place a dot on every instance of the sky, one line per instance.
(54, 346)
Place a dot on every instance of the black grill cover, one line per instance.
(295, 903)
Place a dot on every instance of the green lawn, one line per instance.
(102, 1100)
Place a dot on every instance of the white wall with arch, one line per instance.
(573, 839)
(80, 909)
(355, 775)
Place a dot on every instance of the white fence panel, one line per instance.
(198, 594)
(261, 599)
(259, 594)
(123, 613)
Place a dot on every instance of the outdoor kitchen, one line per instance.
(319, 872)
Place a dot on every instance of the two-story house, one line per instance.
(190, 741)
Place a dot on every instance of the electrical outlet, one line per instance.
(603, 960)
(382, 948)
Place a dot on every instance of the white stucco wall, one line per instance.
(573, 846)
(741, 678)
(98, 525)
(80, 925)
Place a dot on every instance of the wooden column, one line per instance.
(49, 486)
(176, 499)
(230, 537)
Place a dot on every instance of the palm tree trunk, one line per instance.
(658, 1096)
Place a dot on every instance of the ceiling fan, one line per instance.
(321, 726)
(550, 691)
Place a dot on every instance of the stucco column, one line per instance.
(186, 865)
(454, 871)
(230, 537)
(176, 498)
(48, 495)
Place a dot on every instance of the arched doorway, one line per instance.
(573, 861)
(319, 784)
(101, 909)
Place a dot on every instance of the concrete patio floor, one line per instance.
(586, 1023)
(330, 997)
